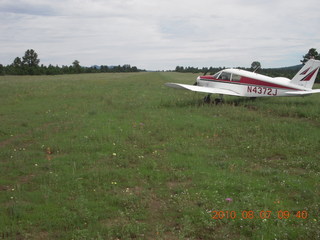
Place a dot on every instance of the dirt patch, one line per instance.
(155, 205)
(13, 138)
(178, 184)
(10, 140)
(41, 236)
(22, 180)
(5, 188)
(26, 179)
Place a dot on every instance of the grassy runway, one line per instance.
(121, 156)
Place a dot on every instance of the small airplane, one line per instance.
(237, 82)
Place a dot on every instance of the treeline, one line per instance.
(204, 70)
(288, 72)
(56, 70)
(29, 65)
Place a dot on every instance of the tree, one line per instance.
(255, 65)
(30, 62)
(179, 69)
(17, 63)
(30, 58)
(1, 69)
(311, 54)
(76, 66)
(134, 69)
(17, 67)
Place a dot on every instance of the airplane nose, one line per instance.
(196, 83)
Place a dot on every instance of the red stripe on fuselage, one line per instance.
(207, 78)
(256, 82)
(247, 81)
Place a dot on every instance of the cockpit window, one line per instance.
(225, 76)
(236, 78)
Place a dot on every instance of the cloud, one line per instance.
(160, 34)
(26, 8)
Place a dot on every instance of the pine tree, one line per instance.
(311, 54)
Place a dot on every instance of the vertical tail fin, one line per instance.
(307, 74)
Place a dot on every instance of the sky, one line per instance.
(160, 34)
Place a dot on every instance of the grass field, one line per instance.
(120, 156)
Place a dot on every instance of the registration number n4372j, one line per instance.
(262, 90)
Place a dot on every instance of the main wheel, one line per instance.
(218, 101)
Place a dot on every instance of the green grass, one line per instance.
(121, 156)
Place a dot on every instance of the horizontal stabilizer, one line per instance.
(301, 93)
(202, 89)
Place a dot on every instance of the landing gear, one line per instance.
(217, 101)
(207, 99)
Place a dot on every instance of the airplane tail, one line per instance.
(307, 75)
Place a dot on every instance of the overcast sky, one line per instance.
(160, 34)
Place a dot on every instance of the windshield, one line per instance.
(216, 75)
(225, 76)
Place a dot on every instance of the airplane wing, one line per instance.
(202, 89)
(301, 93)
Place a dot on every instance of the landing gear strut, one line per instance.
(207, 99)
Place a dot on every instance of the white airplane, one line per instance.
(237, 82)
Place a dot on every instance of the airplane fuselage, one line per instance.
(248, 84)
